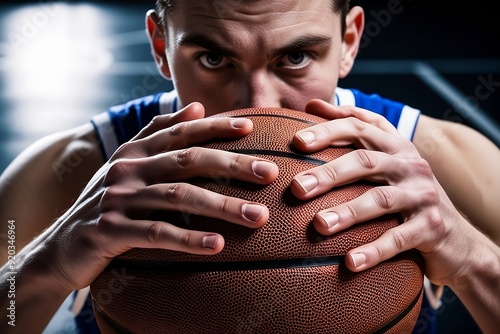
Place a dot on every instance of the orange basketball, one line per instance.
(282, 278)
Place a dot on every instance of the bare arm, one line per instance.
(477, 284)
(43, 182)
(37, 188)
(466, 164)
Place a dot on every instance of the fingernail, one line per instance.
(330, 218)
(210, 241)
(307, 137)
(307, 182)
(262, 168)
(239, 123)
(252, 212)
(358, 259)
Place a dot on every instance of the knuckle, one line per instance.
(177, 129)
(377, 119)
(185, 240)
(422, 167)
(225, 205)
(187, 157)
(325, 128)
(403, 148)
(435, 222)
(379, 251)
(236, 163)
(155, 232)
(357, 124)
(331, 173)
(366, 159)
(154, 125)
(115, 198)
(176, 193)
(352, 211)
(399, 240)
(108, 222)
(157, 121)
(430, 196)
(109, 198)
(434, 198)
(383, 197)
(215, 123)
(117, 169)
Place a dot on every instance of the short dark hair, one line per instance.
(165, 7)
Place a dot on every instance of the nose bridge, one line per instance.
(263, 89)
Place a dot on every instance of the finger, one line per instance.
(186, 134)
(374, 203)
(190, 199)
(191, 112)
(345, 132)
(191, 162)
(123, 234)
(350, 167)
(329, 111)
(414, 234)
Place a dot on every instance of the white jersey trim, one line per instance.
(106, 133)
(344, 97)
(168, 102)
(408, 122)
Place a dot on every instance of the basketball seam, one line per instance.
(279, 116)
(113, 323)
(401, 315)
(275, 153)
(227, 266)
(194, 266)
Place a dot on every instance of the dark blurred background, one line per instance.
(64, 61)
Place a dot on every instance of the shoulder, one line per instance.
(434, 134)
(59, 160)
(55, 149)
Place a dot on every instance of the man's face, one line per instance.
(236, 54)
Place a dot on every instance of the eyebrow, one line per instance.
(200, 40)
(302, 42)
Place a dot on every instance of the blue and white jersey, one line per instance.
(121, 123)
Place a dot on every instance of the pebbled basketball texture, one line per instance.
(282, 278)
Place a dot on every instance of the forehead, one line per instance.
(246, 9)
(256, 19)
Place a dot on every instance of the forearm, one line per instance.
(479, 287)
(29, 295)
(469, 174)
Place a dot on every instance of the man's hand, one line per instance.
(145, 175)
(407, 185)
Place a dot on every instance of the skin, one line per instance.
(86, 229)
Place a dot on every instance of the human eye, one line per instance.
(295, 60)
(213, 60)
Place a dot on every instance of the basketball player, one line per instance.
(223, 55)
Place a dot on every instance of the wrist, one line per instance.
(481, 263)
(29, 291)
